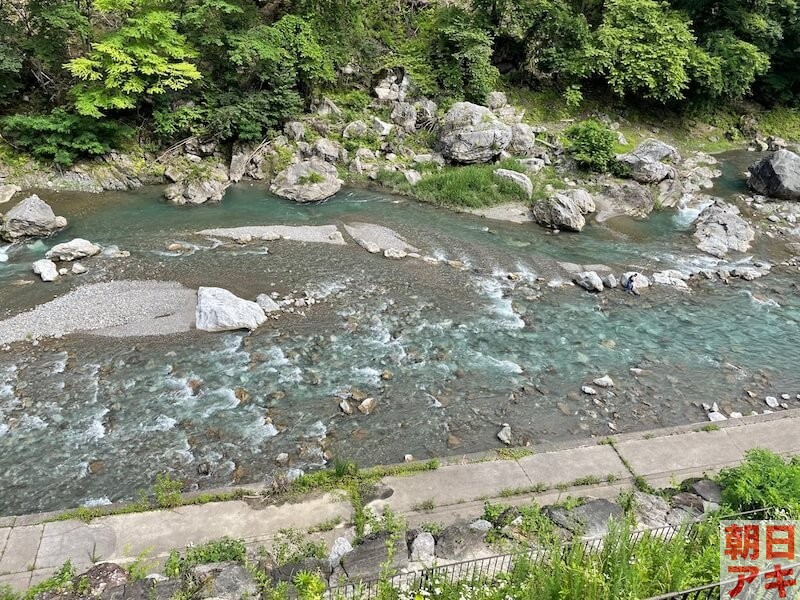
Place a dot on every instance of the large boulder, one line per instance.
(719, 229)
(73, 250)
(307, 181)
(46, 269)
(7, 192)
(225, 580)
(564, 210)
(220, 310)
(32, 217)
(367, 559)
(404, 115)
(328, 150)
(461, 542)
(589, 280)
(208, 185)
(523, 140)
(473, 134)
(627, 198)
(777, 176)
(646, 162)
(589, 520)
(521, 180)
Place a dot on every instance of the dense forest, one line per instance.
(78, 77)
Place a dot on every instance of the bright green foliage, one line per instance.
(450, 56)
(60, 580)
(167, 491)
(63, 137)
(591, 144)
(644, 49)
(763, 480)
(309, 586)
(143, 57)
(222, 550)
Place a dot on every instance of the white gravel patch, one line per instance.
(383, 237)
(116, 308)
(325, 234)
(514, 212)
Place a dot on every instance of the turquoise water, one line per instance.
(89, 420)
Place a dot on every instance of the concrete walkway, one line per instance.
(32, 548)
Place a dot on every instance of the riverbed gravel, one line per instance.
(118, 308)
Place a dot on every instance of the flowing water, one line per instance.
(448, 353)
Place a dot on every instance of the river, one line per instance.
(448, 353)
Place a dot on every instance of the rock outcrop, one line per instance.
(220, 310)
(31, 218)
(207, 185)
(777, 176)
(307, 181)
(720, 229)
(473, 134)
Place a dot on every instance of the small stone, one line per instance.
(604, 382)
(367, 406)
(772, 402)
(481, 525)
(387, 375)
(345, 407)
(504, 435)
(736, 415)
(282, 459)
(78, 269)
(394, 253)
(785, 396)
(586, 389)
(716, 416)
(408, 458)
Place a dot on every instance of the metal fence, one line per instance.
(485, 570)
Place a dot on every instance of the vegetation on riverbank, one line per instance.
(77, 79)
(626, 566)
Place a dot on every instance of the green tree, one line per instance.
(141, 56)
(645, 49)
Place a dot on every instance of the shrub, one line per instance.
(222, 550)
(167, 491)
(292, 546)
(63, 137)
(763, 480)
(591, 144)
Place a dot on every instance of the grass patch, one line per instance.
(519, 491)
(781, 122)
(221, 550)
(328, 525)
(513, 453)
(144, 504)
(588, 480)
(424, 506)
(710, 427)
(471, 186)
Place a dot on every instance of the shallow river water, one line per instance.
(450, 354)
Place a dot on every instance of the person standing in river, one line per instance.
(630, 285)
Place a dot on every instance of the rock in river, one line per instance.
(32, 217)
(307, 181)
(777, 176)
(73, 250)
(473, 134)
(46, 269)
(720, 229)
(589, 280)
(559, 212)
(220, 310)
